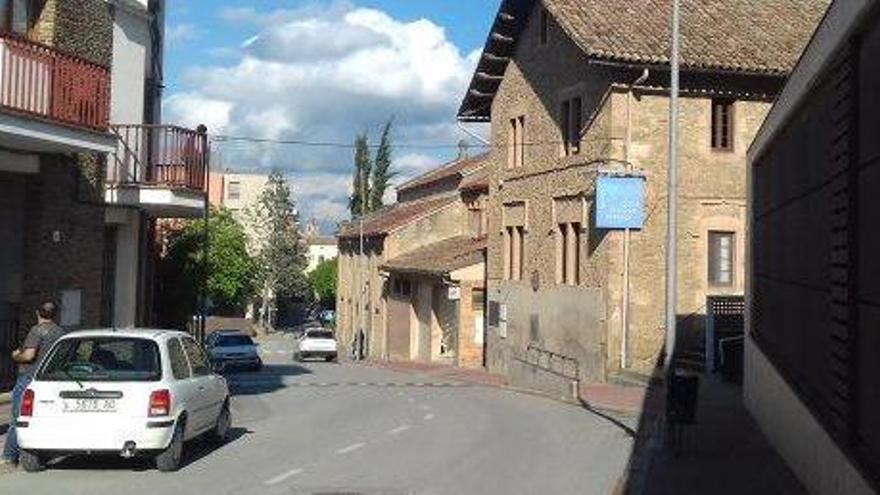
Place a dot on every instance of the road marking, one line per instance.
(429, 417)
(399, 429)
(283, 476)
(351, 448)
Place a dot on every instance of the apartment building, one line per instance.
(240, 193)
(414, 289)
(578, 92)
(85, 167)
(812, 373)
(320, 248)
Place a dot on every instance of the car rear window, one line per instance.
(102, 359)
(234, 340)
(319, 334)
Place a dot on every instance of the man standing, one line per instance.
(37, 343)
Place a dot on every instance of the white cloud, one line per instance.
(325, 75)
(185, 31)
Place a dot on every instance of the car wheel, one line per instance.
(169, 460)
(224, 422)
(31, 461)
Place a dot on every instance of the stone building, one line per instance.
(578, 89)
(416, 289)
(812, 349)
(82, 178)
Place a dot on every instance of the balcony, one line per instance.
(160, 169)
(51, 101)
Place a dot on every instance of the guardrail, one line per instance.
(160, 155)
(40, 81)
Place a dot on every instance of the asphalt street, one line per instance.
(321, 428)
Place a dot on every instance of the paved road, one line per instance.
(322, 428)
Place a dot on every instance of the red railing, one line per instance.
(40, 81)
(160, 155)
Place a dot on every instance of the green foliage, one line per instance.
(230, 269)
(361, 177)
(382, 174)
(323, 282)
(280, 257)
(371, 176)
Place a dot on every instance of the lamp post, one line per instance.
(672, 198)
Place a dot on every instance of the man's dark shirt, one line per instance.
(40, 337)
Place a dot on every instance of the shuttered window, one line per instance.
(722, 125)
(721, 257)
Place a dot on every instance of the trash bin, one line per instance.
(683, 392)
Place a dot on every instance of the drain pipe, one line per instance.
(627, 234)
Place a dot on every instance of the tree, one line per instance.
(361, 180)
(280, 253)
(323, 282)
(382, 174)
(372, 176)
(230, 268)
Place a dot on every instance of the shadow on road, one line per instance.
(195, 450)
(269, 379)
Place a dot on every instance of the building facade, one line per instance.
(812, 345)
(575, 91)
(415, 291)
(321, 248)
(83, 176)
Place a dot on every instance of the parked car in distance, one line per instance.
(131, 392)
(317, 343)
(233, 349)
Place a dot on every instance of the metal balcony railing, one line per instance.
(40, 81)
(159, 155)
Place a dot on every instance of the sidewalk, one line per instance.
(723, 453)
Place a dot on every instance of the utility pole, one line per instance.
(672, 197)
(362, 334)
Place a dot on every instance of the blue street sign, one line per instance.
(620, 202)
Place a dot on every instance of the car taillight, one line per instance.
(160, 403)
(27, 403)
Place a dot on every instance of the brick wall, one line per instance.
(72, 260)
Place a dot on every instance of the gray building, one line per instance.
(812, 374)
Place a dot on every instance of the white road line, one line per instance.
(429, 417)
(399, 429)
(283, 476)
(351, 448)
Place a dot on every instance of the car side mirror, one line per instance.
(218, 367)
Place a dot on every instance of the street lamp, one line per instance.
(672, 198)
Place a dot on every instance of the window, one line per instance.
(401, 288)
(476, 222)
(568, 253)
(234, 192)
(513, 252)
(197, 360)
(722, 125)
(103, 359)
(17, 16)
(545, 26)
(179, 365)
(516, 142)
(721, 258)
(570, 125)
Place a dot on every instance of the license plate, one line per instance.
(90, 405)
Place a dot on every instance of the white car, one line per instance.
(233, 349)
(131, 392)
(317, 343)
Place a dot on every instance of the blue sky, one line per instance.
(322, 70)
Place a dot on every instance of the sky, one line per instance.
(323, 70)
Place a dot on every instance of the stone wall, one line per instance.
(712, 197)
(79, 27)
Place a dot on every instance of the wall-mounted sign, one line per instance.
(454, 293)
(620, 202)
